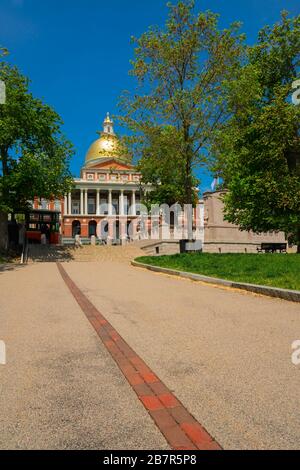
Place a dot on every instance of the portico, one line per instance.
(102, 201)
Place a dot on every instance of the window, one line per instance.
(34, 217)
(91, 206)
(75, 207)
(115, 203)
(57, 205)
(103, 206)
(126, 205)
(90, 176)
(138, 207)
(44, 204)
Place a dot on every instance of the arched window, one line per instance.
(92, 228)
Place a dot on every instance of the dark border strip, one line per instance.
(181, 430)
(285, 294)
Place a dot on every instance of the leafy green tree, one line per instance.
(34, 154)
(178, 104)
(258, 150)
(162, 166)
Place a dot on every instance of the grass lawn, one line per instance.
(277, 270)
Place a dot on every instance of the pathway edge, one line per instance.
(285, 294)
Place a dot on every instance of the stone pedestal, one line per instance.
(221, 236)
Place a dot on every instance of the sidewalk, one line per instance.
(60, 388)
(225, 354)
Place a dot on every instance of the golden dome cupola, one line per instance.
(107, 144)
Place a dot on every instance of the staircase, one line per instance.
(49, 253)
(86, 253)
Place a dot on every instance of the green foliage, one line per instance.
(3, 51)
(34, 153)
(178, 104)
(163, 167)
(258, 150)
(275, 270)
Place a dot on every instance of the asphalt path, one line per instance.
(226, 355)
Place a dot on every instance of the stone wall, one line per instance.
(222, 237)
(162, 248)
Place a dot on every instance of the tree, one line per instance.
(34, 154)
(178, 104)
(258, 150)
(162, 166)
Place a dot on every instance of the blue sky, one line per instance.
(77, 52)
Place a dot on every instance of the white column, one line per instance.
(133, 204)
(97, 201)
(70, 203)
(121, 203)
(110, 202)
(81, 202)
(66, 206)
(86, 202)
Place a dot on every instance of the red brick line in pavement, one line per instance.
(181, 430)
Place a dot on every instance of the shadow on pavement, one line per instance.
(6, 267)
(50, 254)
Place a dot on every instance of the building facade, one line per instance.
(106, 199)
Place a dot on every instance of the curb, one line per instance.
(285, 294)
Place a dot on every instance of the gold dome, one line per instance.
(106, 146)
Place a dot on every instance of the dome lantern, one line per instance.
(108, 125)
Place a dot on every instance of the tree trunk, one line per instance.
(187, 155)
(189, 197)
(3, 232)
(188, 179)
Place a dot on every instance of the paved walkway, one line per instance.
(60, 388)
(179, 427)
(225, 355)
